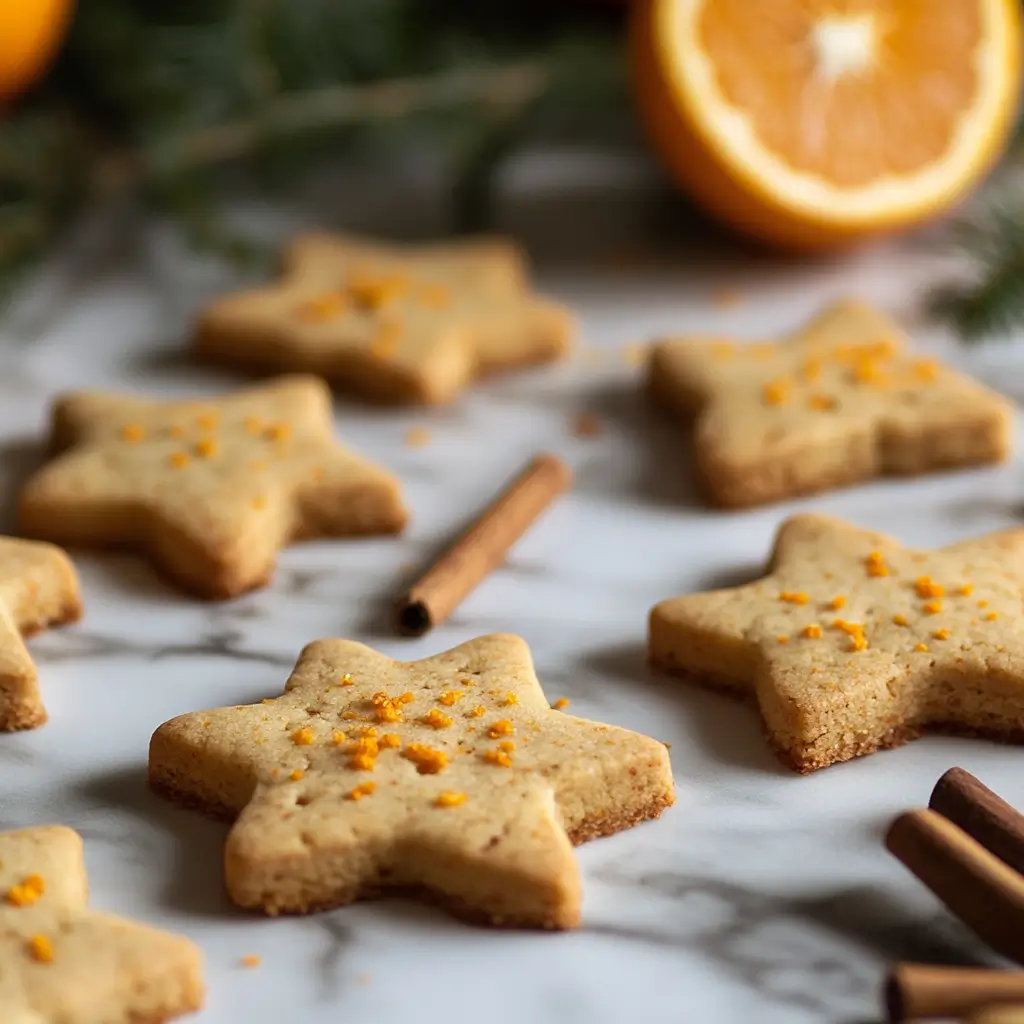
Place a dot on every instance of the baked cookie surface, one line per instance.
(403, 324)
(449, 776)
(38, 588)
(61, 963)
(210, 489)
(840, 401)
(854, 643)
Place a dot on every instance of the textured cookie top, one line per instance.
(846, 375)
(377, 316)
(63, 964)
(851, 619)
(383, 766)
(227, 481)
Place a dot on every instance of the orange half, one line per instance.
(810, 123)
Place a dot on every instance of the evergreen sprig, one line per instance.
(152, 99)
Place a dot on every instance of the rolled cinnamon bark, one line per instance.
(986, 894)
(483, 547)
(921, 992)
(967, 802)
(998, 1015)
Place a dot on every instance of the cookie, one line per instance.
(840, 401)
(450, 777)
(38, 588)
(210, 489)
(61, 963)
(388, 323)
(853, 643)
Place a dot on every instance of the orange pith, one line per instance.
(810, 123)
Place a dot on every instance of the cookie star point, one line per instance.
(405, 783)
(38, 589)
(52, 944)
(210, 489)
(840, 401)
(393, 323)
(883, 641)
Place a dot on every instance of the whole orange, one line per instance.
(30, 33)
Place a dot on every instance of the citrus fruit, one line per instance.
(811, 123)
(30, 32)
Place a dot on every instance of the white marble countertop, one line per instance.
(761, 896)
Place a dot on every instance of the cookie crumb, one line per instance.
(585, 424)
(417, 437)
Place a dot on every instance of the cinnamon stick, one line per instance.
(482, 548)
(921, 992)
(986, 894)
(967, 802)
(998, 1015)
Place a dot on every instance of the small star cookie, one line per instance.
(38, 588)
(211, 489)
(61, 963)
(838, 402)
(390, 323)
(854, 643)
(449, 776)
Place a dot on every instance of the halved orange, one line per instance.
(30, 34)
(811, 123)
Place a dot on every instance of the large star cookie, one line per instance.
(61, 963)
(389, 323)
(854, 643)
(211, 489)
(838, 402)
(38, 588)
(449, 776)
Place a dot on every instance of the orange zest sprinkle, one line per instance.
(498, 757)
(449, 697)
(776, 392)
(926, 370)
(983, 604)
(206, 447)
(296, 775)
(27, 892)
(507, 745)
(40, 949)
(390, 741)
(132, 432)
(373, 292)
(941, 634)
(812, 632)
(250, 960)
(811, 371)
(926, 588)
(278, 432)
(965, 589)
(436, 719)
(338, 737)
(387, 709)
(837, 602)
(921, 648)
(447, 798)
(346, 680)
(179, 460)
(477, 712)
(899, 619)
(367, 730)
(991, 616)
(932, 607)
(428, 761)
(855, 631)
(363, 789)
(782, 639)
(304, 737)
(875, 563)
(794, 597)
(821, 403)
(363, 754)
(502, 727)
(406, 698)
(323, 307)
(510, 698)
(562, 702)
(252, 424)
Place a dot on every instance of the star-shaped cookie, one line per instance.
(449, 776)
(210, 489)
(390, 323)
(38, 588)
(854, 643)
(61, 963)
(840, 401)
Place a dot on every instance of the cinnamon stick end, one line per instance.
(413, 618)
(892, 996)
(957, 780)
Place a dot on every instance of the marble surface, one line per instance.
(761, 896)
